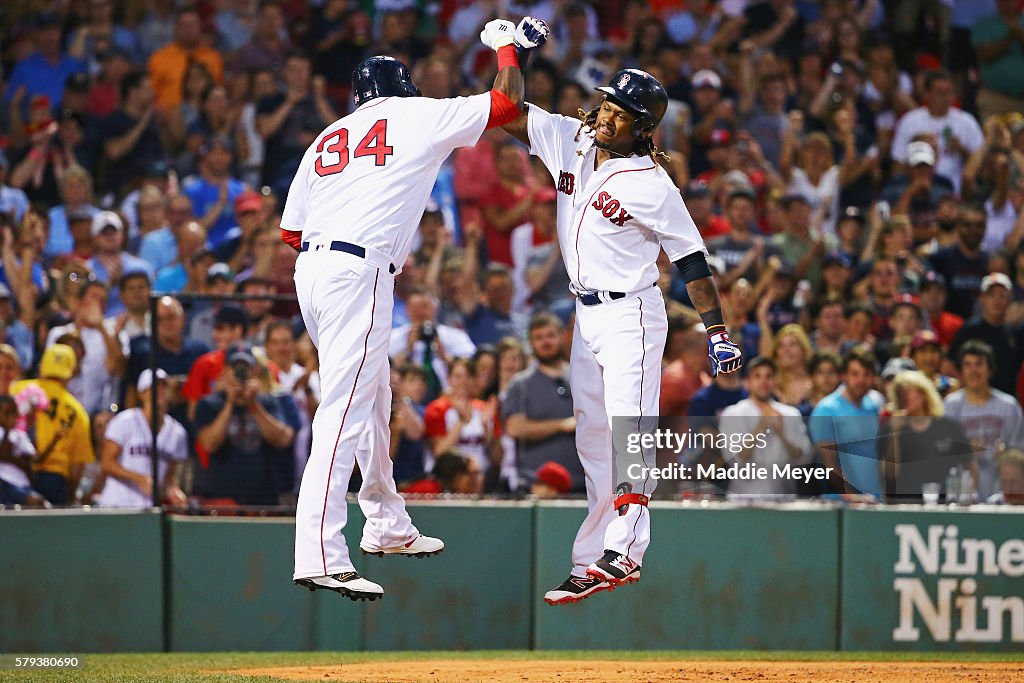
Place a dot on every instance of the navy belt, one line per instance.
(350, 248)
(594, 299)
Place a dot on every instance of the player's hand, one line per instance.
(498, 33)
(725, 354)
(531, 33)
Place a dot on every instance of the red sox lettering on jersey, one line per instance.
(609, 206)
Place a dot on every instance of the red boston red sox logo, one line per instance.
(609, 206)
(566, 182)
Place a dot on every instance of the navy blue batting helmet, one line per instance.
(639, 93)
(382, 77)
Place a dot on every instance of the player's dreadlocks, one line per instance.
(643, 147)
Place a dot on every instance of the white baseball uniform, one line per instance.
(365, 180)
(613, 223)
(131, 431)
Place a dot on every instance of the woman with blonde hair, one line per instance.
(791, 350)
(920, 445)
(10, 368)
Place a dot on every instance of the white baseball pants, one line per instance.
(346, 304)
(615, 369)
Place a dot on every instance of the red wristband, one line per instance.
(507, 56)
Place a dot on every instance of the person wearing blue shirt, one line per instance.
(13, 201)
(109, 262)
(213, 191)
(845, 424)
(44, 71)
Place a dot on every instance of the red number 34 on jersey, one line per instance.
(332, 149)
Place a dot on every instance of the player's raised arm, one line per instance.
(508, 40)
(725, 354)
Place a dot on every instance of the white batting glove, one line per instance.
(531, 33)
(498, 33)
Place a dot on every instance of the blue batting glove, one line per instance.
(725, 354)
(531, 33)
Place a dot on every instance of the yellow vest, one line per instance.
(75, 447)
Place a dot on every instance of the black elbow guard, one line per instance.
(693, 267)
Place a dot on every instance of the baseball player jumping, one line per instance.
(352, 212)
(617, 209)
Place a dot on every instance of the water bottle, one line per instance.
(952, 486)
(966, 487)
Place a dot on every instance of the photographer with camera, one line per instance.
(242, 427)
(428, 344)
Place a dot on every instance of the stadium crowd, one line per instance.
(856, 168)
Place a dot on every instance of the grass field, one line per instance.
(563, 666)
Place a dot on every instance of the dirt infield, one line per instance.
(581, 671)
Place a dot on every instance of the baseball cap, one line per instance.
(231, 315)
(241, 356)
(904, 300)
(220, 270)
(157, 168)
(146, 379)
(787, 271)
(5, 293)
(791, 197)
(200, 254)
(58, 362)
(248, 201)
(920, 152)
(555, 476)
(696, 189)
(720, 137)
(993, 279)
(133, 271)
(432, 206)
(924, 338)
(545, 195)
(739, 180)
(852, 213)
(105, 219)
(897, 365)
(932, 278)
(77, 82)
(836, 258)
(706, 78)
(222, 141)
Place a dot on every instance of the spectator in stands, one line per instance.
(257, 310)
(133, 136)
(134, 288)
(843, 427)
(537, 410)
(77, 192)
(456, 420)
(299, 376)
(44, 71)
(244, 432)
(1011, 478)
(801, 246)
(214, 190)
(10, 368)
(452, 473)
(105, 344)
(920, 445)
(160, 246)
(998, 41)
(174, 353)
(701, 207)
(824, 368)
(15, 334)
(16, 453)
(109, 260)
(408, 452)
(990, 327)
(508, 201)
(706, 408)
(490, 319)
(739, 247)
(552, 481)
(933, 303)
(829, 324)
(428, 344)
(188, 272)
(955, 132)
(237, 245)
(62, 436)
(927, 354)
(167, 66)
(991, 419)
(790, 351)
(13, 201)
(128, 450)
(229, 328)
(920, 190)
(544, 279)
(218, 280)
(289, 121)
(781, 427)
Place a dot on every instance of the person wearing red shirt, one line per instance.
(452, 473)
(700, 204)
(229, 327)
(507, 204)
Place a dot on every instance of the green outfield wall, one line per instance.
(795, 577)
